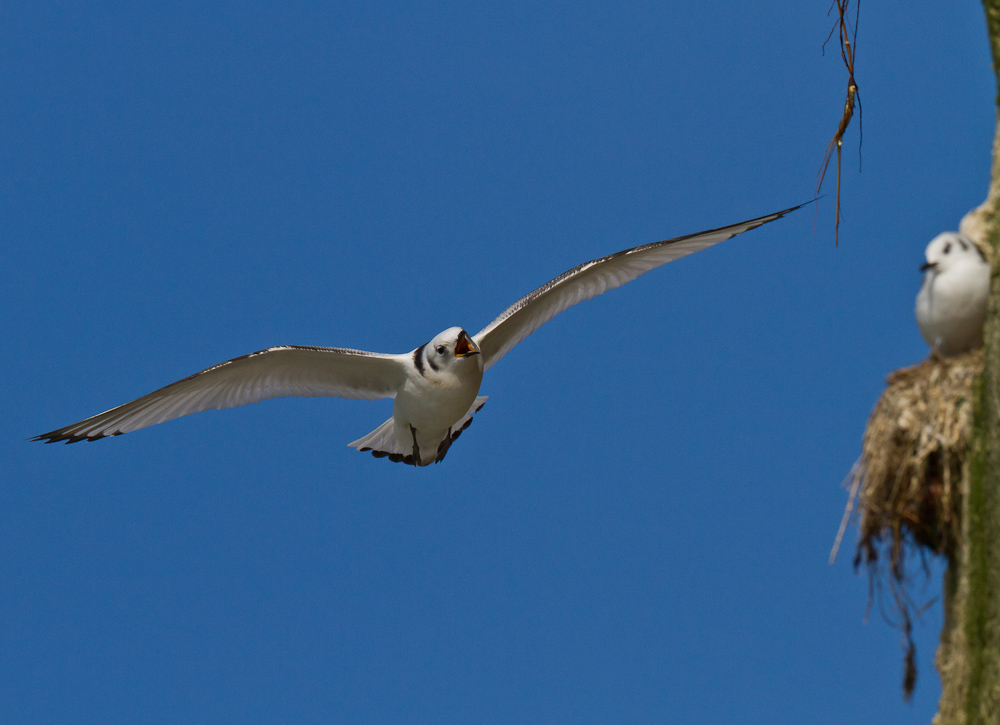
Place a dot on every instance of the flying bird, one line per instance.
(435, 387)
(951, 304)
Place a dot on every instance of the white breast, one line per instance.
(951, 307)
(434, 401)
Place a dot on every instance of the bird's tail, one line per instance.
(383, 442)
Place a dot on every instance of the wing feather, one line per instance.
(593, 278)
(277, 372)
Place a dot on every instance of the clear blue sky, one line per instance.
(635, 528)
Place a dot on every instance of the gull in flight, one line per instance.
(951, 304)
(435, 387)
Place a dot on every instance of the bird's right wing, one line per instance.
(273, 373)
(590, 279)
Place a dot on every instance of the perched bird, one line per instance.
(435, 387)
(951, 304)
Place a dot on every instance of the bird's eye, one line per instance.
(947, 247)
(440, 349)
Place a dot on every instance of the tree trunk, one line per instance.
(968, 658)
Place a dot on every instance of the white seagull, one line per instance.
(435, 387)
(951, 304)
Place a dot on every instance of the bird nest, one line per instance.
(907, 482)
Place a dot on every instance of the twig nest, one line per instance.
(914, 448)
(908, 481)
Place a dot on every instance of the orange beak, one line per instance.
(465, 346)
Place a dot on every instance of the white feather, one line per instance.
(273, 373)
(593, 278)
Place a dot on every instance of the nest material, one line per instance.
(914, 448)
(908, 480)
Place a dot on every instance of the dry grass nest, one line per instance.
(907, 482)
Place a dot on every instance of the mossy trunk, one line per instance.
(968, 659)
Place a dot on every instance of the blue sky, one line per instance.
(635, 528)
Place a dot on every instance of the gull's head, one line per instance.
(949, 250)
(454, 344)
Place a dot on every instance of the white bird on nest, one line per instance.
(434, 386)
(951, 304)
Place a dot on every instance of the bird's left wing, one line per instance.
(592, 278)
(277, 372)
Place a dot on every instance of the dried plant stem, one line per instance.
(848, 36)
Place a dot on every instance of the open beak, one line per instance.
(466, 346)
(928, 265)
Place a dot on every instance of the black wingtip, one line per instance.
(54, 437)
(760, 221)
(59, 436)
(746, 226)
(773, 216)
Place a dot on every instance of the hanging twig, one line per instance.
(848, 40)
(855, 476)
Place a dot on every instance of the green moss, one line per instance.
(980, 585)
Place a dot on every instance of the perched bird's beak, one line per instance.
(466, 346)
(928, 265)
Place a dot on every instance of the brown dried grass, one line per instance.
(907, 482)
(912, 456)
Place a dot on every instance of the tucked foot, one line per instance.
(416, 448)
(443, 447)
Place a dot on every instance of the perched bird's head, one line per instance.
(949, 250)
(454, 344)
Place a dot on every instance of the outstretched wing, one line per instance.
(593, 278)
(277, 372)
